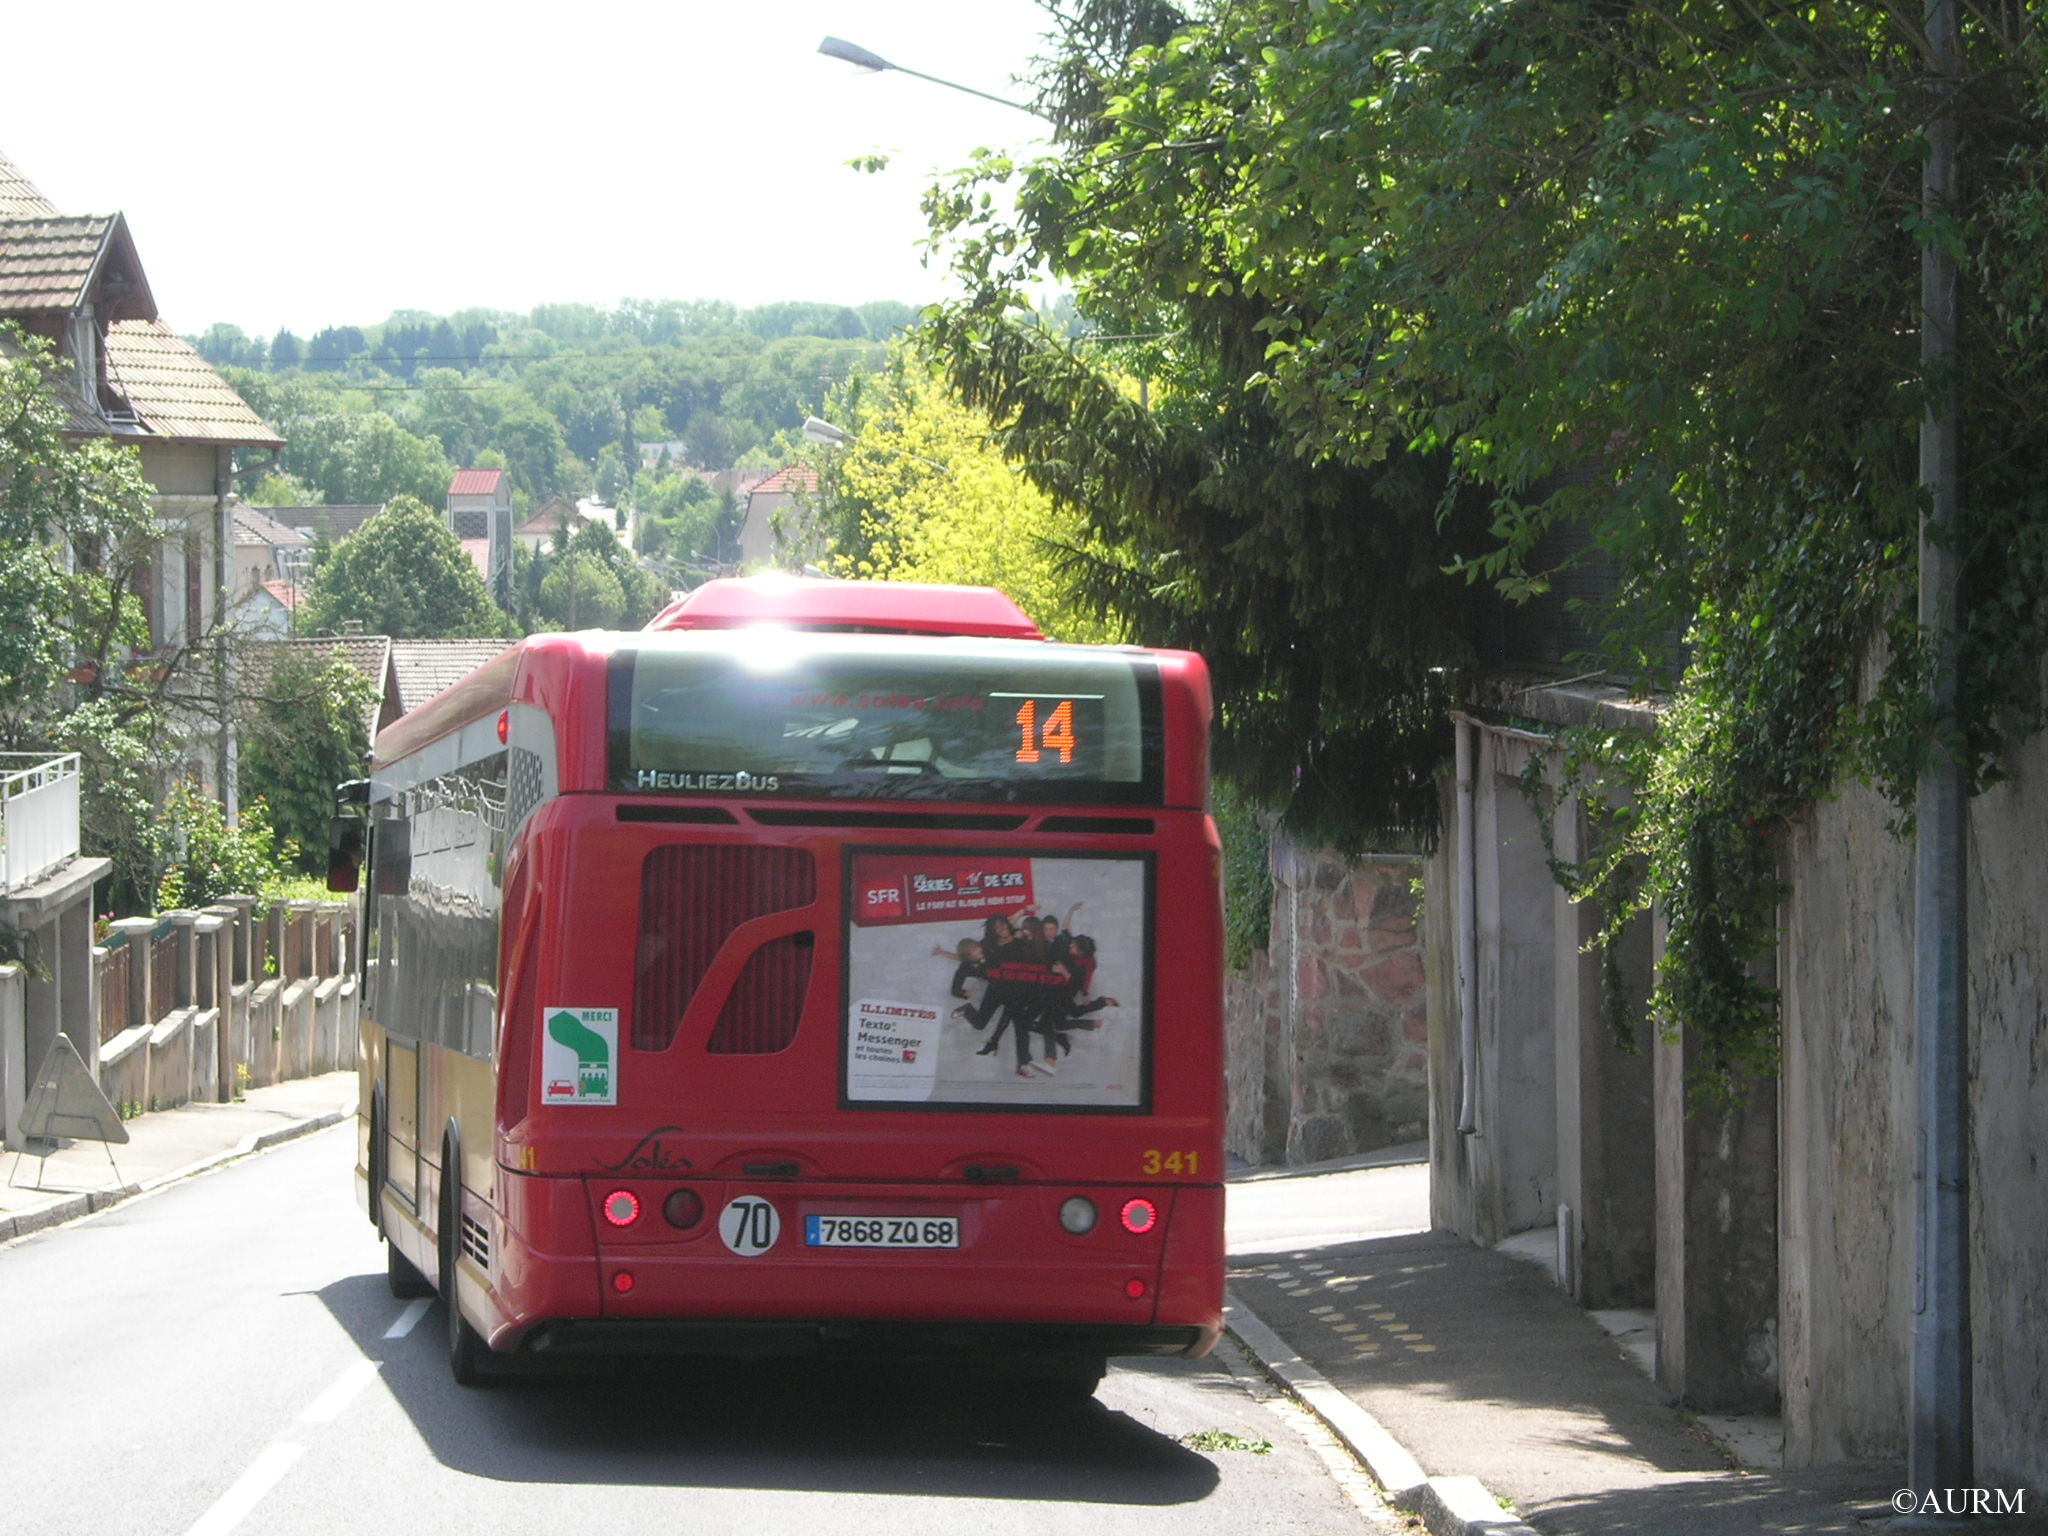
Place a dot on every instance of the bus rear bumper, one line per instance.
(766, 1339)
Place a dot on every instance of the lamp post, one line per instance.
(874, 63)
(826, 435)
(817, 430)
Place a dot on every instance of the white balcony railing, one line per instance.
(38, 815)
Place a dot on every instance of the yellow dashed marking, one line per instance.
(1423, 1349)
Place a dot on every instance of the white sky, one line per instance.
(312, 165)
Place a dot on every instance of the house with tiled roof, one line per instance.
(330, 523)
(778, 527)
(367, 655)
(265, 612)
(77, 282)
(268, 550)
(538, 531)
(423, 668)
(480, 507)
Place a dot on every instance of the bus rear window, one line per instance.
(793, 714)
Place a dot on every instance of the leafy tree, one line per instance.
(281, 490)
(403, 574)
(923, 494)
(330, 349)
(226, 344)
(77, 674)
(582, 592)
(301, 733)
(76, 535)
(285, 351)
(208, 859)
(1519, 291)
(641, 595)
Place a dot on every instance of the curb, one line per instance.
(1448, 1506)
(76, 1207)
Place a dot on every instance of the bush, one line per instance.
(207, 859)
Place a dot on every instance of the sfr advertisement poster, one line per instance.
(997, 980)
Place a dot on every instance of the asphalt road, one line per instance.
(224, 1357)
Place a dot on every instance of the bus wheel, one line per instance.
(469, 1357)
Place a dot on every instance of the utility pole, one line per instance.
(1940, 1454)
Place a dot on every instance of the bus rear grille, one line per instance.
(691, 899)
(476, 1240)
(761, 1014)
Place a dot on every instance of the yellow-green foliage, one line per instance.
(925, 495)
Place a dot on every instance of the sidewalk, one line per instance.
(163, 1147)
(1467, 1382)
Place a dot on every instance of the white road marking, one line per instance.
(409, 1318)
(328, 1406)
(229, 1509)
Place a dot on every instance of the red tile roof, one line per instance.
(475, 482)
(254, 528)
(175, 391)
(50, 263)
(796, 477)
(19, 197)
(368, 655)
(285, 592)
(427, 667)
(337, 522)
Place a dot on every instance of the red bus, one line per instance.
(828, 967)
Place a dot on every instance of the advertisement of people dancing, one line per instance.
(997, 979)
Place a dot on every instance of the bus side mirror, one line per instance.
(344, 853)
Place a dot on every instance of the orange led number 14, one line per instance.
(1056, 735)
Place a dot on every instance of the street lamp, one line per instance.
(823, 432)
(874, 63)
(826, 435)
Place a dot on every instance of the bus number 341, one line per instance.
(1188, 1163)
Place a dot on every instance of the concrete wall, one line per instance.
(1848, 1094)
(1327, 1045)
(1503, 1177)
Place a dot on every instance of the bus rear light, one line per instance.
(684, 1208)
(1077, 1215)
(1135, 1289)
(1140, 1215)
(504, 726)
(622, 1207)
(622, 1281)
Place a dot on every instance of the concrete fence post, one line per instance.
(13, 1051)
(210, 931)
(135, 932)
(243, 945)
(275, 924)
(185, 936)
(233, 1005)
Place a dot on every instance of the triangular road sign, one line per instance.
(65, 1101)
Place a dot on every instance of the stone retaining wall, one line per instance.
(1328, 1032)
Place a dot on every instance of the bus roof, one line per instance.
(872, 607)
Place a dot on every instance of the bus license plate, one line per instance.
(882, 1231)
